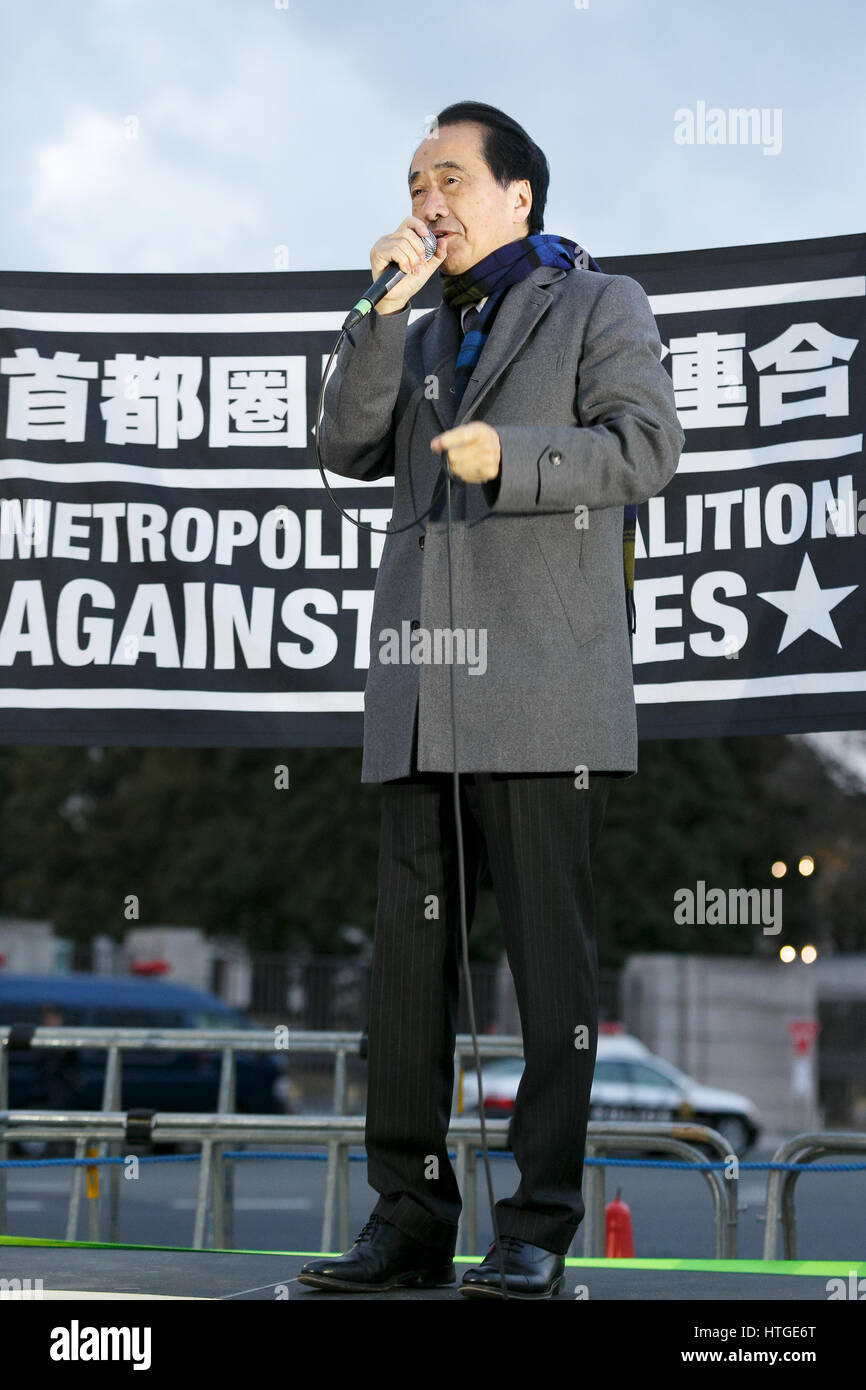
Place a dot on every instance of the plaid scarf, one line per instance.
(492, 276)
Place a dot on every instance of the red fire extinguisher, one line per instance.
(618, 1240)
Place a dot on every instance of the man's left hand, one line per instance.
(474, 453)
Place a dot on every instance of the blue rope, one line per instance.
(16, 1163)
(95, 1162)
(707, 1167)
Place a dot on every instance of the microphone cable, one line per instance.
(461, 870)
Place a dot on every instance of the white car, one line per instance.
(629, 1083)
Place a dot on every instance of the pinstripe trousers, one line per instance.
(539, 832)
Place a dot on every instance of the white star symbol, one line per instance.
(807, 606)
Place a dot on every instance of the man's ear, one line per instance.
(523, 185)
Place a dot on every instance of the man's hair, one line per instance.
(508, 152)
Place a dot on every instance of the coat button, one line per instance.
(415, 624)
(555, 456)
(421, 542)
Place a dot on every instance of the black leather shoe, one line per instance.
(530, 1272)
(381, 1258)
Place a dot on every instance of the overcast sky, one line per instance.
(177, 135)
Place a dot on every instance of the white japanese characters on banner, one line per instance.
(156, 401)
(749, 567)
(172, 572)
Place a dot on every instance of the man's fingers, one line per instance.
(406, 249)
(451, 439)
(473, 451)
(414, 254)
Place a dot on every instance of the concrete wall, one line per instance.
(184, 949)
(191, 955)
(31, 948)
(724, 1021)
(841, 977)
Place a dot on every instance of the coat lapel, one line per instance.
(522, 307)
(439, 346)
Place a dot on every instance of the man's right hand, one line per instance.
(406, 249)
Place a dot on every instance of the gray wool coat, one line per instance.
(540, 649)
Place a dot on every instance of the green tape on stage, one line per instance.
(816, 1268)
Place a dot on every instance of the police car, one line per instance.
(629, 1083)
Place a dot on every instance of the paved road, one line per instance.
(278, 1207)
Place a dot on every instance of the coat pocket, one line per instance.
(568, 581)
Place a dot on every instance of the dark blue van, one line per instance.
(178, 1081)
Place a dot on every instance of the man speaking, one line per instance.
(539, 379)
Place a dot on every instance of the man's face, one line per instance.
(452, 189)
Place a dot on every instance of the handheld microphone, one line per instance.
(391, 276)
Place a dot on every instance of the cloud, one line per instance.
(113, 195)
(75, 171)
(260, 127)
(211, 169)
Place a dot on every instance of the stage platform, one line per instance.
(95, 1272)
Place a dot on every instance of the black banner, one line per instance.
(172, 571)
